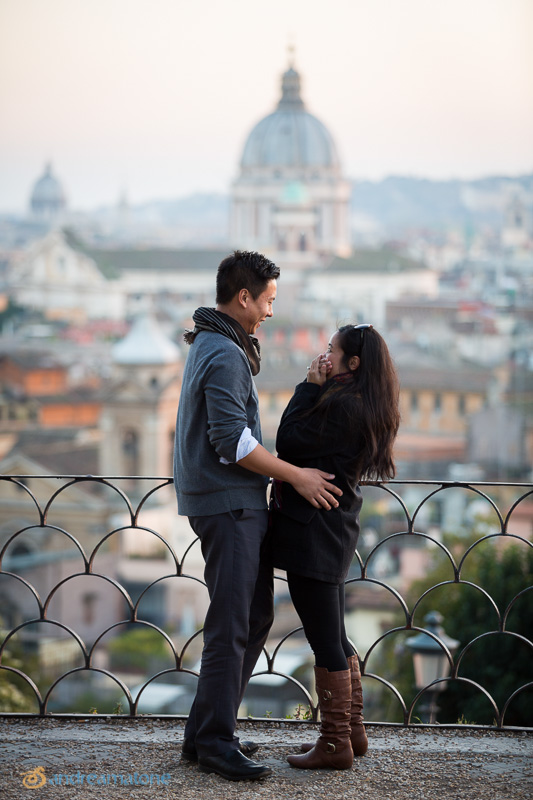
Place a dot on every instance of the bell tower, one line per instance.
(139, 409)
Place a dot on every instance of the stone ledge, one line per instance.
(401, 764)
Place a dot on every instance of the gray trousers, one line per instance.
(237, 623)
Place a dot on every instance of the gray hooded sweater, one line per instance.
(218, 401)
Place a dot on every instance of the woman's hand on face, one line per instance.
(317, 372)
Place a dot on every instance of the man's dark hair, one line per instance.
(244, 269)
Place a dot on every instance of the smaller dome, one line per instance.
(145, 344)
(48, 197)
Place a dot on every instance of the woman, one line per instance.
(342, 419)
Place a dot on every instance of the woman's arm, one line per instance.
(303, 437)
(306, 393)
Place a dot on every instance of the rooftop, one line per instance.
(374, 260)
(113, 262)
(145, 344)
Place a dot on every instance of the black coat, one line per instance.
(305, 540)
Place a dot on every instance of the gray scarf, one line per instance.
(209, 319)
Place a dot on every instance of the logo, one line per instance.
(34, 779)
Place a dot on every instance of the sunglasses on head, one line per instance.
(364, 326)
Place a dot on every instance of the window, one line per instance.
(130, 449)
(20, 549)
(88, 605)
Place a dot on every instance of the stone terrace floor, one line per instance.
(420, 764)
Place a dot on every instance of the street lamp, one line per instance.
(431, 662)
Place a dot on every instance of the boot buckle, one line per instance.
(331, 747)
(327, 694)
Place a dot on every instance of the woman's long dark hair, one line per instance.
(369, 399)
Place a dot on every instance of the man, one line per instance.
(220, 469)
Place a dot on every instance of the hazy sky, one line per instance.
(157, 96)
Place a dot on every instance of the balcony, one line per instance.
(102, 597)
(101, 602)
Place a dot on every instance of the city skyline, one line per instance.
(156, 100)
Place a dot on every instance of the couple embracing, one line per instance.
(338, 428)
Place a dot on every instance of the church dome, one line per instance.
(290, 136)
(145, 345)
(48, 197)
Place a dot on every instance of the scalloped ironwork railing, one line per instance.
(412, 512)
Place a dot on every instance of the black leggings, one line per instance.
(320, 607)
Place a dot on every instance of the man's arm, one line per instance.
(312, 484)
(226, 387)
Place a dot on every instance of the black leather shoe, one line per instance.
(188, 749)
(233, 766)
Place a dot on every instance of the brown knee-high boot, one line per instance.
(358, 737)
(333, 748)
(358, 734)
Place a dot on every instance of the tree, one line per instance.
(500, 661)
(138, 648)
(15, 695)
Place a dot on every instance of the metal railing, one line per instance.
(398, 518)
